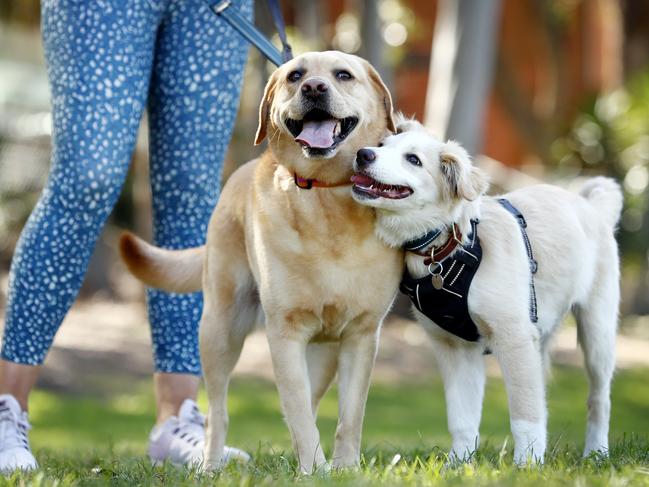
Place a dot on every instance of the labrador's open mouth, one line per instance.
(371, 188)
(320, 130)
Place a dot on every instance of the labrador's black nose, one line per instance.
(314, 88)
(365, 157)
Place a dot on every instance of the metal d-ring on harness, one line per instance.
(247, 29)
(528, 247)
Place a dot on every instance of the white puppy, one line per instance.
(417, 184)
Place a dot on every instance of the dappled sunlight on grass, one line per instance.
(99, 442)
(399, 417)
(626, 466)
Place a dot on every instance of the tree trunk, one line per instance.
(461, 69)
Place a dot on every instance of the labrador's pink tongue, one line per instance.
(319, 135)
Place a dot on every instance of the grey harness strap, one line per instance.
(528, 247)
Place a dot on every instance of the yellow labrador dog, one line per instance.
(433, 185)
(287, 235)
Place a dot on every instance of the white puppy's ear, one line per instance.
(463, 179)
(406, 124)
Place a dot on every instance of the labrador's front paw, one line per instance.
(320, 469)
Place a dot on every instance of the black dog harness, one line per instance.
(447, 307)
(442, 295)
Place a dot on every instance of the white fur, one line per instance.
(572, 236)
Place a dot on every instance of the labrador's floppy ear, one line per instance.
(264, 108)
(463, 178)
(386, 98)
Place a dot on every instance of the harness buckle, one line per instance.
(521, 221)
(455, 237)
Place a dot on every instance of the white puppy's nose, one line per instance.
(365, 157)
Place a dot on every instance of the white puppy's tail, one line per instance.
(176, 271)
(606, 196)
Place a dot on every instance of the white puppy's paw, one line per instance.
(461, 454)
(596, 440)
(527, 457)
(596, 450)
(529, 442)
(465, 444)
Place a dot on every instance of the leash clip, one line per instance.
(222, 6)
(250, 33)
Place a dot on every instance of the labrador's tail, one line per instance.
(177, 271)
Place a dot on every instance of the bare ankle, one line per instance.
(171, 390)
(18, 380)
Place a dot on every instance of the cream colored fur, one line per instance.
(572, 236)
(308, 258)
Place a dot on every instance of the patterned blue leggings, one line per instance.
(106, 59)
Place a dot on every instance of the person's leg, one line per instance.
(99, 68)
(193, 103)
(171, 390)
(18, 380)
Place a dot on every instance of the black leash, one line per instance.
(248, 30)
(278, 20)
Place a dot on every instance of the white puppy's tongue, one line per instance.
(317, 134)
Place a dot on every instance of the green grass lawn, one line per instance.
(96, 442)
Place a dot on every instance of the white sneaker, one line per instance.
(15, 453)
(180, 439)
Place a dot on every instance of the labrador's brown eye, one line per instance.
(344, 75)
(413, 159)
(294, 76)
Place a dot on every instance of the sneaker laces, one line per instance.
(13, 428)
(196, 417)
(191, 429)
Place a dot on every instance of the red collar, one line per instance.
(439, 253)
(304, 183)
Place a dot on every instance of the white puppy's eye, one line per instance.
(413, 159)
(380, 144)
(344, 75)
(294, 76)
